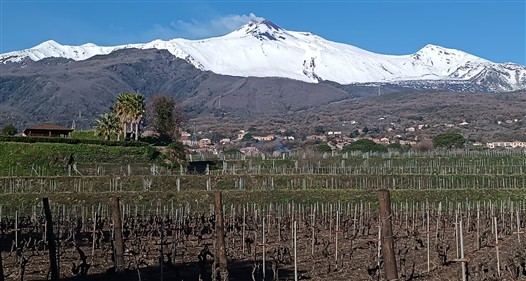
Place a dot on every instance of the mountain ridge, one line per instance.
(57, 89)
(64, 91)
(261, 48)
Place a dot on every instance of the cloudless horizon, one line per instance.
(494, 30)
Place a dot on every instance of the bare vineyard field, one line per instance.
(334, 241)
(454, 215)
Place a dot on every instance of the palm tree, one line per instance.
(122, 111)
(138, 108)
(130, 108)
(107, 125)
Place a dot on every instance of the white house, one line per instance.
(506, 144)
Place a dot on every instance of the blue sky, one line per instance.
(495, 30)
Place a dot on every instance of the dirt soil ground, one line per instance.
(349, 253)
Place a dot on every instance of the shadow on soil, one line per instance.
(239, 270)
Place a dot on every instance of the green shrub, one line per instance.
(323, 148)
(9, 130)
(53, 158)
(232, 151)
(72, 141)
(85, 135)
(364, 145)
(157, 141)
(449, 140)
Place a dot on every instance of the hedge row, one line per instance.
(72, 141)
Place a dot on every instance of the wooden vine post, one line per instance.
(462, 257)
(388, 253)
(264, 248)
(295, 242)
(161, 256)
(519, 232)
(117, 224)
(51, 241)
(94, 238)
(1, 268)
(220, 236)
(497, 245)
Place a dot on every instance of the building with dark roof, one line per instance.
(47, 130)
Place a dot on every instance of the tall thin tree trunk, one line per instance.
(137, 131)
(125, 131)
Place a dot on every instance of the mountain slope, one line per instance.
(263, 49)
(59, 90)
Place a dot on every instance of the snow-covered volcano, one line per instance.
(263, 49)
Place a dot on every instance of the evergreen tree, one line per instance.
(9, 130)
(165, 116)
(449, 140)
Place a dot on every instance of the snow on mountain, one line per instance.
(53, 49)
(263, 49)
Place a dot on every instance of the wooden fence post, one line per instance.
(384, 199)
(117, 225)
(51, 241)
(220, 236)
